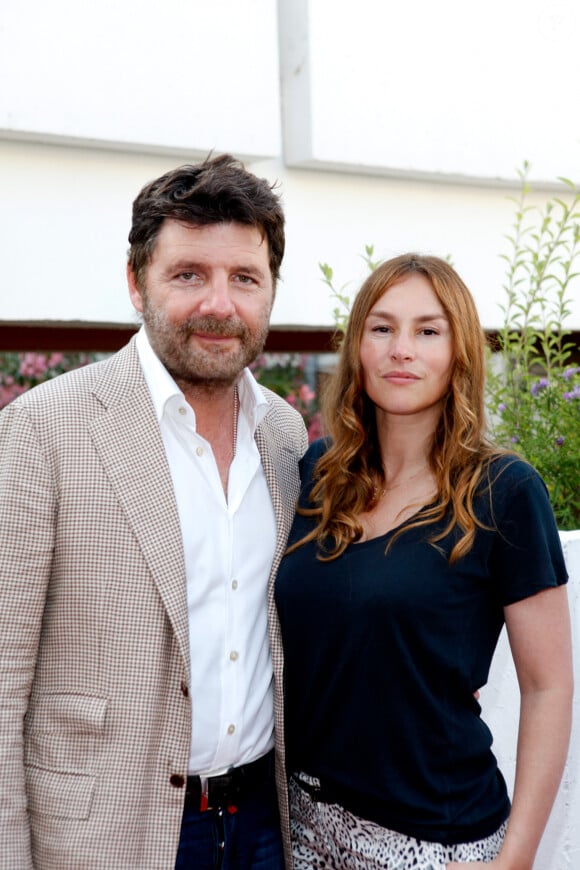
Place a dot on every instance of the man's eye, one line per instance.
(244, 279)
(186, 276)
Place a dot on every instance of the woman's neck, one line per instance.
(405, 447)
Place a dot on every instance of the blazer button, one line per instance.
(177, 780)
(184, 690)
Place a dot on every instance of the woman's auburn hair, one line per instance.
(349, 475)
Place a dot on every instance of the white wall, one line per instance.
(560, 846)
(332, 216)
(65, 214)
(178, 76)
(454, 88)
(401, 125)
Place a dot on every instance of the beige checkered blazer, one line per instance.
(94, 655)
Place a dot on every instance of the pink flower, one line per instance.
(10, 392)
(305, 394)
(33, 365)
(315, 428)
(54, 360)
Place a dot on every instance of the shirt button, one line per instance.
(176, 780)
(234, 656)
(199, 451)
(184, 690)
(234, 584)
(231, 729)
(182, 410)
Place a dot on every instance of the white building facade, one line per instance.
(397, 125)
(401, 125)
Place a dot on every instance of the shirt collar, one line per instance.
(163, 388)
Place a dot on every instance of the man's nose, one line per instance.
(217, 299)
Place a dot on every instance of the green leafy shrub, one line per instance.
(533, 383)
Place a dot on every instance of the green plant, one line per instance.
(533, 385)
(341, 311)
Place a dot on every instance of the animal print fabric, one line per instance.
(328, 837)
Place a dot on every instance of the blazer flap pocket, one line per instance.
(65, 713)
(59, 794)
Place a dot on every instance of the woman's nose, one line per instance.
(401, 347)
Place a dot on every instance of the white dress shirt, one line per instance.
(228, 547)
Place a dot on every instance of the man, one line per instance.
(144, 507)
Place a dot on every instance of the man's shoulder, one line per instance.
(279, 407)
(284, 423)
(73, 388)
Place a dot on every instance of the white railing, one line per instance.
(560, 847)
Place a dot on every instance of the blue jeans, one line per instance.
(247, 839)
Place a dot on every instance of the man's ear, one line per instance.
(134, 292)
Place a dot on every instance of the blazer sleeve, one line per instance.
(28, 510)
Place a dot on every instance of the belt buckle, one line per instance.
(223, 792)
(203, 800)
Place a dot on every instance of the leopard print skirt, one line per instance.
(328, 837)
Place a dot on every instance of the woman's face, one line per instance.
(406, 351)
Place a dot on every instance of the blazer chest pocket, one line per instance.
(61, 737)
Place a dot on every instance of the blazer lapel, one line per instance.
(129, 444)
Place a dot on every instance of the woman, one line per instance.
(414, 541)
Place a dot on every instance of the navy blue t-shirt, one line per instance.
(384, 652)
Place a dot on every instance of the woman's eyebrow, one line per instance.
(420, 318)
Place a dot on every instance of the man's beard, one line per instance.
(198, 366)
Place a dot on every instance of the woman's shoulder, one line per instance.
(506, 471)
(511, 485)
(315, 451)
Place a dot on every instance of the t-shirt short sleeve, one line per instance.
(527, 554)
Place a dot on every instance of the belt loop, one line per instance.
(204, 802)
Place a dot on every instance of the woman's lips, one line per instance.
(399, 377)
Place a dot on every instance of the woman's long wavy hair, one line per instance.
(349, 475)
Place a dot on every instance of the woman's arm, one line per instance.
(540, 639)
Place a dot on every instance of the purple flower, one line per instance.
(573, 394)
(560, 440)
(514, 439)
(569, 373)
(539, 385)
(501, 407)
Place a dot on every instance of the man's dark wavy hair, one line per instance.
(219, 190)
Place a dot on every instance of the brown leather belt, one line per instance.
(229, 789)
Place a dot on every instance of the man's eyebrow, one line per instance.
(250, 269)
(183, 265)
(192, 265)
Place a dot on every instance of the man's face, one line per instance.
(207, 300)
